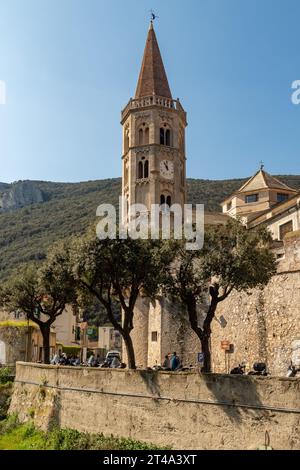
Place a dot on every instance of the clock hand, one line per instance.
(166, 165)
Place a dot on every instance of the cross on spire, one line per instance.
(262, 165)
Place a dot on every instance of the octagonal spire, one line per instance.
(152, 79)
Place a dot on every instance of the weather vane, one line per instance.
(153, 16)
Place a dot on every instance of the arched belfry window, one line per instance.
(162, 136)
(165, 136)
(126, 174)
(168, 137)
(146, 169)
(143, 169)
(141, 137)
(140, 170)
(126, 140)
(165, 202)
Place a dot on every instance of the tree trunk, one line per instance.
(203, 333)
(45, 330)
(206, 351)
(206, 331)
(130, 351)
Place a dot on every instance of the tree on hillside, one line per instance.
(119, 271)
(232, 258)
(42, 293)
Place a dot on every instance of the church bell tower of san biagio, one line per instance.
(153, 156)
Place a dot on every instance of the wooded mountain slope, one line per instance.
(26, 234)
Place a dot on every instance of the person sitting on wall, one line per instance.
(98, 361)
(62, 359)
(115, 363)
(105, 364)
(174, 362)
(166, 363)
(91, 361)
(77, 361)
(55, 359)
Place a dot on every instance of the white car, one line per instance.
(111, 355)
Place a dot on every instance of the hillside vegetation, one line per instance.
(69, 208)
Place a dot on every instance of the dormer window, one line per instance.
(281, 197)
(251, 198)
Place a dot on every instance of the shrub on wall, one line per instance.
(5, 375)
(17, 324)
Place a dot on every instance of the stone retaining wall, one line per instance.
(182, 410)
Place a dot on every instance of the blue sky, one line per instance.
(70, 66)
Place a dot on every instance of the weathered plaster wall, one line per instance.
(182, 410)
(14, 343)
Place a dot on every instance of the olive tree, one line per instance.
(232, 258)
(42, 293)
(119, 271)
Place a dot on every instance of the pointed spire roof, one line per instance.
(153, 79)
(262, 180)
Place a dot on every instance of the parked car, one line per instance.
(111, 355)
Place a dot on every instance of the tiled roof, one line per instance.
(153, 79)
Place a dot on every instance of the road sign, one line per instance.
(200, 357)
(225, 345)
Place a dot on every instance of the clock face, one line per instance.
(167, 169)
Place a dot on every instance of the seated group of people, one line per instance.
(171, 362)
(111, 362)
(65, 360)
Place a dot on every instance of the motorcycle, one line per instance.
(259, 368)
(292, 371)
(239, 370)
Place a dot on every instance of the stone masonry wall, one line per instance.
(181, 410)
(260, 324)
(263, 323)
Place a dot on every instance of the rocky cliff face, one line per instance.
(19, 194)
(4, 186)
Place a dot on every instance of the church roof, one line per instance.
(262, 180)
(152, 79)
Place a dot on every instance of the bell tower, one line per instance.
(153, 156)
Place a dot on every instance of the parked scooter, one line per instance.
(239, 370)
(293, 370)
(259, 368)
